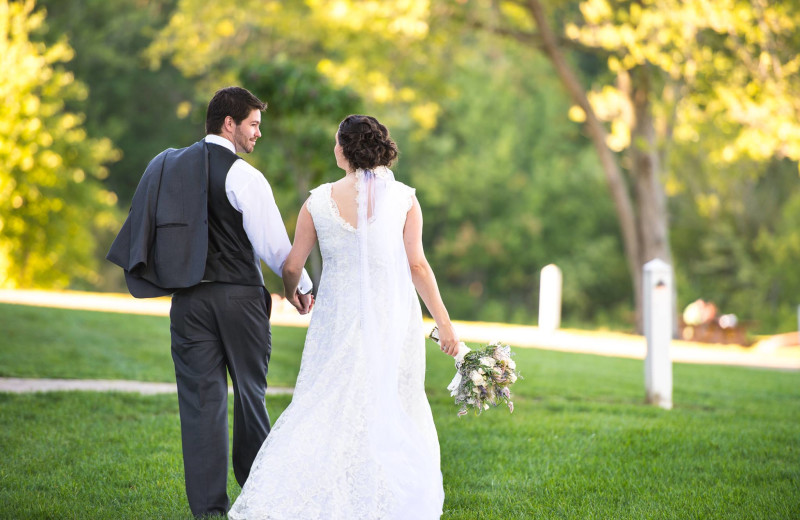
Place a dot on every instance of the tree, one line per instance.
(508, 185)
(465, 123)
(666, 91)
(671, 66)
(52, 203)
(141, 110)
(739, 239)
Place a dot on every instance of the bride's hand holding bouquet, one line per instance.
(483, 376)
(447, 338)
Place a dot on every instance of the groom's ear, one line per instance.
(229, 123)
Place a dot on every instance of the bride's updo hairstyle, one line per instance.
(366, 143)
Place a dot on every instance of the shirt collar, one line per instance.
(218, 139)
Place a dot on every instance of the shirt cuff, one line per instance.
(306, 285)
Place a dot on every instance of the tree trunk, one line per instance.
(646, 172)
(616, 182)
(652, 227)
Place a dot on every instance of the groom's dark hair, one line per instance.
(236, 102)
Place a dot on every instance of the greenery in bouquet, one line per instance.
(483, 378)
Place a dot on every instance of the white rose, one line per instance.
(511, 364)
(512, 377)
(487, 361)
(476, 377)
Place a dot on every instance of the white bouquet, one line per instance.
(482, 376)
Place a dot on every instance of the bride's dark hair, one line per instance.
(365, 142)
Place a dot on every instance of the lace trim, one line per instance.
(335, 211)
(382, 172)
(410, 198)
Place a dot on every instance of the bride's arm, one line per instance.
(305, 236)
(425, 281)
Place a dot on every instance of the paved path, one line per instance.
(586, 342)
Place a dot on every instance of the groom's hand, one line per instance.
(304, 302)
(294, 299)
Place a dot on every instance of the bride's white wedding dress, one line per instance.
(358, 440)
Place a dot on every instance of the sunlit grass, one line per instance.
(580, 444)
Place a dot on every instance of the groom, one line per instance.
(200, 220)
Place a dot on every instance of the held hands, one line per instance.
(302, 302)
(307, 301)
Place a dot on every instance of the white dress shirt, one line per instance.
(251, 195)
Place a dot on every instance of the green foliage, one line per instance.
(353, 43)
(470, 124)
(141, 110)
(731, 63)
(507, 186)
(737, 228)
(298, 129)
(52, 204)
(779, 248)
(723, 90)
(506, 183)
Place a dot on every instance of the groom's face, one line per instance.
(247, 132)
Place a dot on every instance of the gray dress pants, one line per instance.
(218, 328)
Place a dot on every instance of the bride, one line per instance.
(358, 440)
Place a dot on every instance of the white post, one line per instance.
(550, 298)
(658, 331)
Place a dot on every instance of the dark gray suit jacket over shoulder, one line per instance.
(163, 244)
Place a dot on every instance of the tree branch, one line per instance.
(533, 39)
(597, 133)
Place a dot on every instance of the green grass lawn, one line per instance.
(581, 444)
(60, 343)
